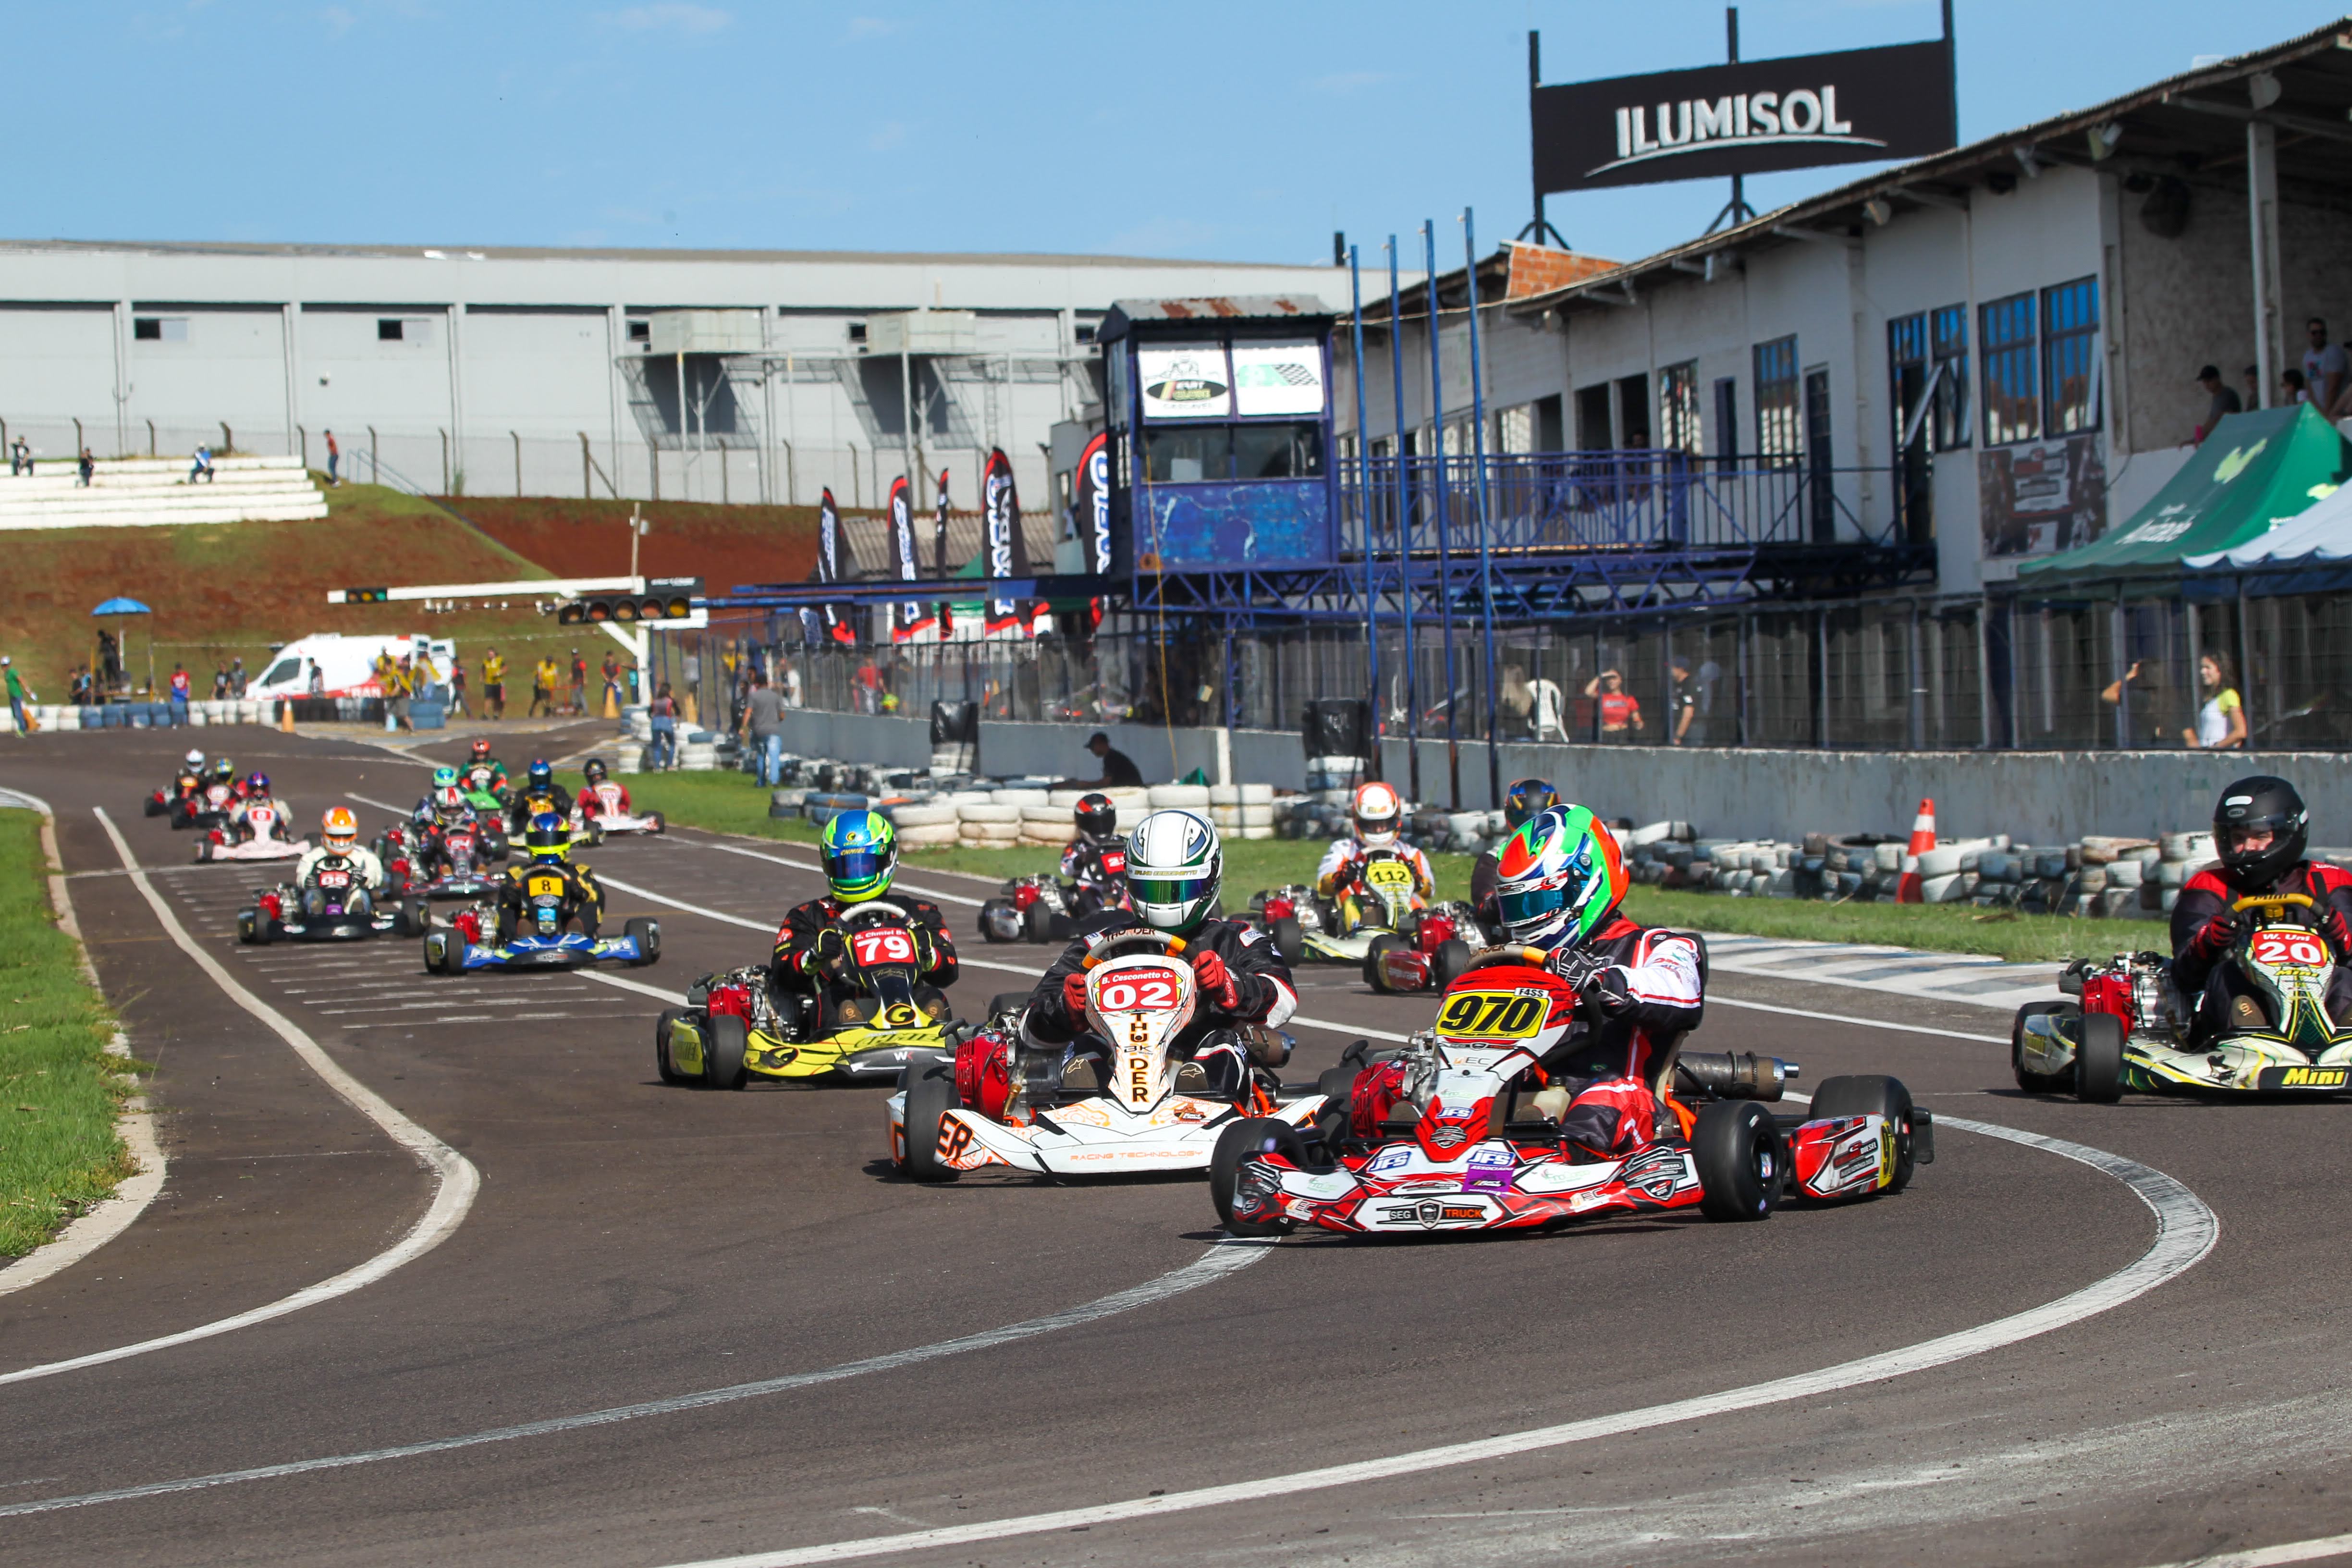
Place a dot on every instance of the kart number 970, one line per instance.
(1133, 993)
(1491, 1015)
(887, 945)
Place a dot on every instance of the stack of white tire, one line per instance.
(629, 757)
(699, 752)
(921, 822)
(1244, 811)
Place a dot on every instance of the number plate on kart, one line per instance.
(1493, 1015)
(887, 945)
(1139, 990)
(2276, 949)
(546, 887)
(1388, 874)
(2321, 1079)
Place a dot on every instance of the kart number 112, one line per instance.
(1490, 1016)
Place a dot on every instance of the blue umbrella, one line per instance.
(119, 605)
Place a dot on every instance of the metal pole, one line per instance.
(1478, 453)
(1364, 511)
(1404, 537)
(906, 413)
(686, 483)
(1444, 550)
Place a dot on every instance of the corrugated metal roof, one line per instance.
(552, 253)
(1223, 307)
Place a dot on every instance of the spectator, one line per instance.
(422, 676)
(20, 458)
(791, 684)
(663, 714)
(17, 696)
(1621, 715)
(2298, 390)
(317, 680)
(83, 688)
(579, 684)
(204, 466)
(458, 689)
(2327, 369)
(542, 687)
(220, 683)
(611, 681)
(84, 469)
(2221, 721)
(2220, 401)
(179, 696)
(396, 702)
(334, 456)
(1517, 700)
(763, 721)
(494, 685)
(1548, 706)
(1682, 704)
(1119, 769)
(2253, 378)
(236, 681)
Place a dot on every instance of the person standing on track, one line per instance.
(494, 685)
(662, 715)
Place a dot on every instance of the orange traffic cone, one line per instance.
(1923, 838)
(286, 714)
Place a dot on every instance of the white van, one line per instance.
(329, 664)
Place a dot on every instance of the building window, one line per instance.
(2070, 348)
(2013, 380)
(1727, 423)
(1906, 369)
(1678, 421)
(159, 329)
(1778, 436)
(641, 331)
(389, 329)
(1947, 343)
(856, 332)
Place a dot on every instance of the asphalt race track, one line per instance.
(1004, 1348)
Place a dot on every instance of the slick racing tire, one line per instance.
(414, 917)
(1258, 1134)
(1288, 940)
(661, 1044)
(154, 807)
(1741, 1162)
(725, 1038)
(1872, 1094)
(1452, 958)
(2037, 1082)
(443, 953)
(2099, 1059)
(1038, 925)
(647, 931)
(204, 850)
(930, 1097)
(1375, 974)
(656, 823)
(988, 930)
(1336, 1085)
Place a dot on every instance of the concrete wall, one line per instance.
(859, 738)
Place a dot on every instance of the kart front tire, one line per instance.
(438, 959)
(1037, 923)
(1872, 1094)
(1375, 974)
(669, 1074)
(647, 932)
(1288, 940)
(1450, 962)
(656, 823)
(413, 919)
(1258, 1134)
(154, 806)
(2099, 1058)
(930, 1097)
(724, 1042)
(1741, 1162)
(2029, 1082)
(988, 927)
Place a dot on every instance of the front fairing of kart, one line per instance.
(570, 950)
(263, 850)
(2238, 1064)
(858, 1053)
(1095, 1135)
(1492, 1184)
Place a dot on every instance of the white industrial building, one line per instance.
(703, 375)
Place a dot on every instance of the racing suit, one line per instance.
(1343, 861)
(1486, 872)
(359, 857)
(802, 956)
(593, 805)
(587, 895)
(2204, 932)
(1097, 870)
(528, 802)
(485, 777)
(238, 813)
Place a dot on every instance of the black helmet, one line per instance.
(542, 772)
(1525, 798)
(2260, 804)
(594, 772)
(1095, 816)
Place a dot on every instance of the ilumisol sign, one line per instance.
(1854, 107)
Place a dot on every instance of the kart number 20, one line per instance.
(1137, 994)
(2275, 947)
(1490, 1016)
(887, 945)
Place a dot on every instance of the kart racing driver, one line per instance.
(255, 791)
(593, 777)
(547, 843)
(1098, 854)
(1379, 818)
(1520, 802)
(484, 772)
(339, 839)
(540, 794)
(860, 850)
(428, 808)
(1174, 867)
(2259, 829)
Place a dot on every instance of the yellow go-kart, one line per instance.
(734, 1027)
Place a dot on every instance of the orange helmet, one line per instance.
(340, 829)
(1380, 814)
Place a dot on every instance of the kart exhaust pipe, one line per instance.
(1746, 1076)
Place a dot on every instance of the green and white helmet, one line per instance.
(1174, 864)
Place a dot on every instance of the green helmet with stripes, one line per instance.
(861, 851)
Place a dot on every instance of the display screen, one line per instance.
(1185, 381)
(1279, 378)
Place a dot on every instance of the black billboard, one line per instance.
(1857, 106)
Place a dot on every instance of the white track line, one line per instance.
(1220, 1261)
(2186, 1231)
(1858, 1023)
(2265, 1556)
(454, 1180)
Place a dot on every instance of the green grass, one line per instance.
(733, 803)
(58, 1091)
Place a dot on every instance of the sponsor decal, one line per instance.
(1445, 1185)
(1093, 502)
(2305, 1077)
(1185, 381)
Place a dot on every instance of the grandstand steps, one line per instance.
(154, 492)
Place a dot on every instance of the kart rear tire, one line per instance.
(1741, 1163)
(2037, 1082)
(438, 959)
(204, 850)
(1450, 962)
(661, 1044)
(725, 1039)
(154, 807)
(1037, 923)
(656, 822)
(1872, 1094)
(931, 1095)
(414, 917)
(2099, 1059)
(1375, 974)
(647, 930)
(1236, 1143)
(1287, 938)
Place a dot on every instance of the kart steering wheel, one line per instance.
(1172, 945)
(1532, 957)
(2273, 901)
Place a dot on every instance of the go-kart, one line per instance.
(178, 799)
(2129, 1028)
(1379, 924)
(733, 1025)
(1137, 1107)
(438, 863)
(258, 834)
(550, 935)
(596, 811)
(334, 907)
(206, 806)
(1455, 1134)
(1046, 909)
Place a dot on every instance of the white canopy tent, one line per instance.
(2321, 533)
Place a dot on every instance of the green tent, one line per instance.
(2254, 472)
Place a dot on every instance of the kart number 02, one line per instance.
(2276, 948)
(887, 945)
(1153, 991)
(1490, 1016)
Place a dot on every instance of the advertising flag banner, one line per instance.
(1007, 551)
(1093, 504)
(940, 554)
(828, 565)
(1856, 106)
(907, 618)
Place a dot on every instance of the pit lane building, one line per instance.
(703, 375)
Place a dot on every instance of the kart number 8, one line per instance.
(2289, 947)
(889, 945)
(1129, 993)
(1490, 1016)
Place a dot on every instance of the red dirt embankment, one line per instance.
(724, 545)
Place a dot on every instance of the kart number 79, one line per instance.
(2275, 948)
(1149, 991)
(1490, 1016)
(887, 945)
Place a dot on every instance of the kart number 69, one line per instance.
(2275, 947)
(1137, 992)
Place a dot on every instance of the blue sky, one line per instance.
(1212, 131)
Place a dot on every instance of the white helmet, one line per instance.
(194, 761)
(1173, 866)
(1378, 815)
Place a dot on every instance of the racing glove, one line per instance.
(1216, 980)
(1574, 965)
(829, 952)
(927, 952)
(1073, 994)
(1611, 989)
(2216, 936)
